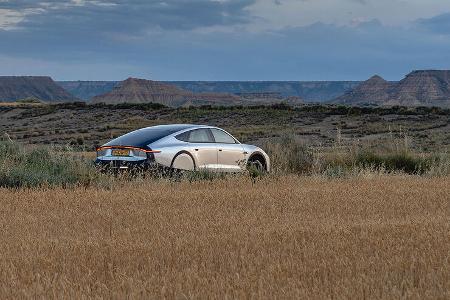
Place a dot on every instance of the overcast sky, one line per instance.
(223, 39)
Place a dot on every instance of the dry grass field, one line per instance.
(385, 237)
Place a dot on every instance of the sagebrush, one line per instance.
(37, 166)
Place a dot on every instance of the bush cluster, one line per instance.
(42, 166)
(290, 156)
(46, 166)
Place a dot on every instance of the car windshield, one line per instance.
(142, 137)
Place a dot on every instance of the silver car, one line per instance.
(182, 147)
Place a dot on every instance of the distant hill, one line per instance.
(87, 89)
(135, 90)
(374, 91)
(429, 88)
(312, 91)
(419, 88)
(13, 88)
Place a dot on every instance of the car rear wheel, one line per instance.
(183, 161)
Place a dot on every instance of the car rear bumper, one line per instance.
(138, 165)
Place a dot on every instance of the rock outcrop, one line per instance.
(13, 88)
(428, 88)
(135, 90)
(86, 90)
(312, 91)
(419, 88)
(373, 91)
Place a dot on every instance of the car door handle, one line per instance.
(220, 149)
(196, 149)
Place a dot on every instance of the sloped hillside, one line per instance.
(424, 88)
(310, 91)
(135, 90)
(13, 88)
(373, 91)
(86, 90)
(419, 88)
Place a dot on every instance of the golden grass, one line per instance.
(287, 237)
(20, 104)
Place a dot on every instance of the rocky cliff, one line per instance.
(375, 91)
(312, 91)
(135, 90)
(86, 90)
(13, 88)
(419, 88)
(429, 88)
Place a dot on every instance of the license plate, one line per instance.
(120, 152)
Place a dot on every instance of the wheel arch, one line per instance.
(183, 152)
(257, 155)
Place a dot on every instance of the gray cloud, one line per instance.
(150, 39)
(23, 4)
(439, 24)
(126, 16)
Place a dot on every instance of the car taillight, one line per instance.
(101, 152)
(139, 153)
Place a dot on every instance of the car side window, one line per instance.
(184, 137)
(200, 136)
(222, 137)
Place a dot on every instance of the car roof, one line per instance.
(179, 127)
(173, 126)
(145, 136)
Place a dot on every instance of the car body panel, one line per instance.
(230, 157)
(205, 155)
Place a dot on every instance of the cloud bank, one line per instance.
(209, 40)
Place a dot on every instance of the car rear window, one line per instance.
(145, 136)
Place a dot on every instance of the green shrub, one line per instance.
(290, 156)
(395, 162)
(43, 167)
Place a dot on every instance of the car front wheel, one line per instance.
(256, 166)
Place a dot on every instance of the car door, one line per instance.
(230, 153)
(202, 146)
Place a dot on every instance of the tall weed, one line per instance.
(291, 156)
(43, 166)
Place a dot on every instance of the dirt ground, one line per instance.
(85, 126)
